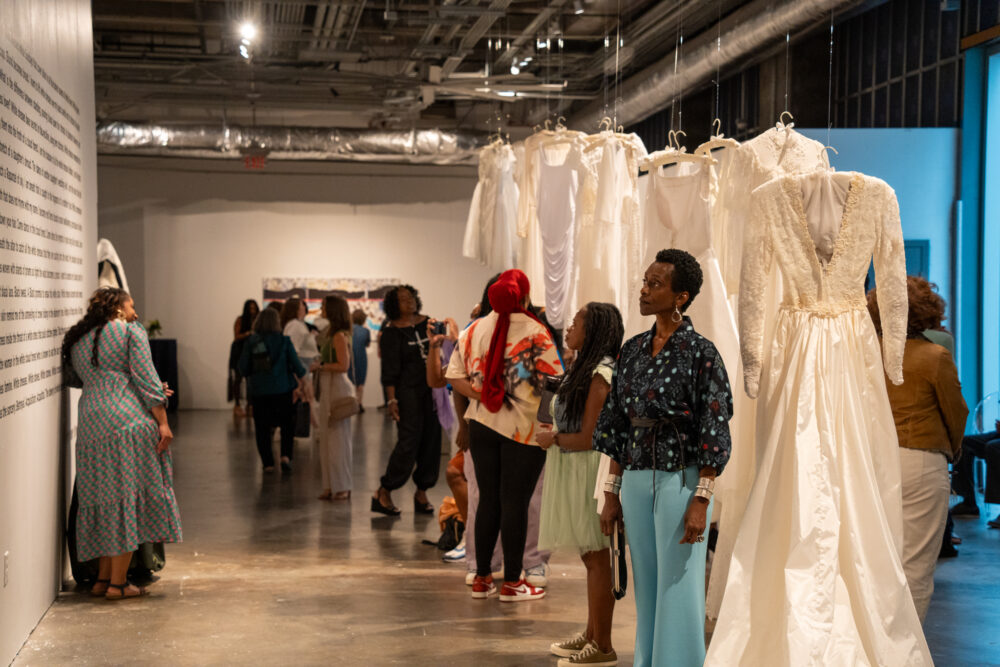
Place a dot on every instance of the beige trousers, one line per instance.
(925, 511)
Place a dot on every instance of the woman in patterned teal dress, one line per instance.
(124, 472)
(569, 515)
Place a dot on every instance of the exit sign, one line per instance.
(255, 161)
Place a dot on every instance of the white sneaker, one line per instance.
(538, 576)
(456, 554)
(470, 577)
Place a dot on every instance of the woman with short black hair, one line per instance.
(665, 426)
(404, 344)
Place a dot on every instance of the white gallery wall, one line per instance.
(197, 238)
(48, 217)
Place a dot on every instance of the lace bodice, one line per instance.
(778, 231)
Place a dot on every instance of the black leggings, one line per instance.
(419, 442)
(506, 472)
(272, 411)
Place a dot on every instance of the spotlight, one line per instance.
(560, 42)
(248, 31)
(245, 41)
(577, 7)
(244, 52)
(515, 70)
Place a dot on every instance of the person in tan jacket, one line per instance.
(930, 415)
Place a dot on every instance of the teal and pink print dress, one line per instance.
(125, 488)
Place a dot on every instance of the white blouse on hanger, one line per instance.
(490, 231)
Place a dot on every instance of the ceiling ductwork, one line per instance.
(290, 143)
(753, 27)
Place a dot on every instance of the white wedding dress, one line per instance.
(815, 576)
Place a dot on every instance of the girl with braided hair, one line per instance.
(569, 517)
(124, 472)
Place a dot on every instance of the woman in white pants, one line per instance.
(930, 413)
(335, 444)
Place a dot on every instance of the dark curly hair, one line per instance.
(391, 303)
(603, 334)
(686, 276)
(926, 310)
(104, 306)
(485, 307)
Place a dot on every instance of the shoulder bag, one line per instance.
(344, 407)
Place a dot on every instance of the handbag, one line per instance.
(302, 419)
(619, 566)
(550, 385)
(347, 406)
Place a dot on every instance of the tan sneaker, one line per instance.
(570, 647)
(592, 657)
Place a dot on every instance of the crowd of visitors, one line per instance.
(628, 438)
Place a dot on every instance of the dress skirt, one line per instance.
(569, 518)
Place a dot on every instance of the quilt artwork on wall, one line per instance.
(363, 293)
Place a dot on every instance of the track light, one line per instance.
(248, 31)
(515, 70)
(577, 7)
(244, 52)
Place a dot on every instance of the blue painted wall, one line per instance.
(921, 165)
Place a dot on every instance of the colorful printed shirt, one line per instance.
(530, 355)
(682, 394)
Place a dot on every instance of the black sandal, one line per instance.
(378, 507)
(102, 593)
(422, 508)
(122, 587)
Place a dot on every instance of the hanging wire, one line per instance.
(787, 67)
(673, 99)
(718, 64)
(618, 71)
(680, 46)
(829, 86)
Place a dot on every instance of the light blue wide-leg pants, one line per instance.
(669, 577)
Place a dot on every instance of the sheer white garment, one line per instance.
(816, 576)
(609, 248)
(677, 216)
(777, 152)
(491, 228)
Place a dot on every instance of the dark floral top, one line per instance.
(683, 392)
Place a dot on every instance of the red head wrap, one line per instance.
(506, 296)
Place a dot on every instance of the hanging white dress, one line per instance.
(562, 175)
(491, 228)
(609, 256)
(677, 216)
(777, 152)
(815, 577)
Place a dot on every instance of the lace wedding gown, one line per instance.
(815, 576)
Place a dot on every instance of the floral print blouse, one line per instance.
(670, 411)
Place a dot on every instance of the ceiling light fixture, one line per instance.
(244, 52)
(515, 70)
(577, 7)
(560, 42)
(248, 31)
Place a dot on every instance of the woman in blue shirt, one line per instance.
(665, 426)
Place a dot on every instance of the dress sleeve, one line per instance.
(546, 357)
(890, 277)
(293, 357)
(141, 370)
(756, 265)
(456, 364)
(612, 431)
(390, 347)
(948, 390)
(470, 244)
(713, 410)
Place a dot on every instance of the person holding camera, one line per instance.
(404, 344)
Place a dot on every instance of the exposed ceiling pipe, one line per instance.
(529, 33)
(321, 10)
(289, 143)
(472, 37)
(751, 28)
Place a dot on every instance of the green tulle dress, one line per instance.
(569, 517)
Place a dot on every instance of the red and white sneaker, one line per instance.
(521, 591)
(483, 587)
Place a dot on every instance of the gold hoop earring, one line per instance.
(121, 314)
(676, 317)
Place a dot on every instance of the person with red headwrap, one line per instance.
(500, 363)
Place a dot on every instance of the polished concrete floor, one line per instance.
(267, 574)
